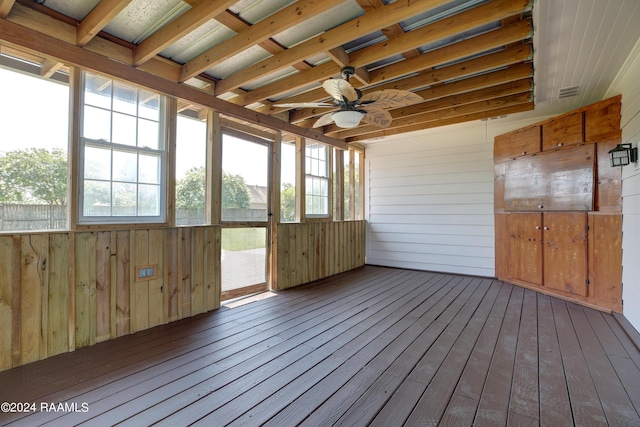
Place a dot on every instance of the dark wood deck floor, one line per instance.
(375, 346)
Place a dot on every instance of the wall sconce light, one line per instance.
(622, 155)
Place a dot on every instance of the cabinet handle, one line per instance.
(537, 227)
(540, 206)
(560, 144)
(524, 152)
(546, 228)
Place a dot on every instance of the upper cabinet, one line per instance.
(602, 122)
(563, 131)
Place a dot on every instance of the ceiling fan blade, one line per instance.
(377, 117)
(389, 98)
(340, 90)
(304, 105)
(324, 120)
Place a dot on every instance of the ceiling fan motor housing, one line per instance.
(348, 71)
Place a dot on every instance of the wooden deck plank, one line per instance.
(219, 389)
(524, 391)
(555, 408)
(494, 402)
(427, 406)
(615, 402)
(374, 346)
(585, 404)
(626, 370)
(466, 396)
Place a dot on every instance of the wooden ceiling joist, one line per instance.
(200, 13)
(475, 98)
(498, 112)
(255, 34)
(491, 40)
(444, 89)
(439, 30)
(21, 37)
(98, 18)
(5, 7)
(372, 21)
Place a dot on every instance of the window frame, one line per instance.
(160, 153)
(326, 179)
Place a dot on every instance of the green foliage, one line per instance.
(190, 190)
(287, 203)
(34, 175)
(235, 193)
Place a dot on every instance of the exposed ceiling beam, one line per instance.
(18, 36)
(200, 13)
(439, 30)
(373, 21)
(5, 7)
(237, 24)
(446, 103)
(448, 113)
(98, 18)
(493, 39)
(450, 53)
(49, 67)
(285, 18)
(527, 106)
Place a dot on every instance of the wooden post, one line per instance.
(300, 180)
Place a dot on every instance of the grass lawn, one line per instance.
(240, 239)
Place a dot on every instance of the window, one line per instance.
(122, 153)
(33, 148)
(288, 182)
(191, 154)
(317, 180)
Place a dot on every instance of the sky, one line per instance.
(34, 113)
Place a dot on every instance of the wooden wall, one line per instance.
(65, 290)
(313, 250)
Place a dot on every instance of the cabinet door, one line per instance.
(526, 141)
(565, 252)
(525, 249)
(562, 132)
(605, 260)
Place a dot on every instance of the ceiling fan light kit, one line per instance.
(347, 119)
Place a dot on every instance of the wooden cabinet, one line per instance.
(564, 131)
(525, 248)
(558, 206)
(554, 181)
(518, 143)
(565, 252)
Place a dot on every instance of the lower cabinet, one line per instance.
(573, 254)
(565, 252)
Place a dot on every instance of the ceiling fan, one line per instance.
(354, 106)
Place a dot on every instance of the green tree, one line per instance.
(287, 203)
(34, 175)
(235, 193)
(190, 190)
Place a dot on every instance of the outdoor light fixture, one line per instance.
(622, 155)
(347, 118)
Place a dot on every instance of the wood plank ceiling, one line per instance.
(468, 59)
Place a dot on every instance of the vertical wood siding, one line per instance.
(65, 290)
(627, 85)
(314, 250)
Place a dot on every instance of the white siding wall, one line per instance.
(627, 85)
(430, 199)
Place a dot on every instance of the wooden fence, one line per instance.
(20, 217)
